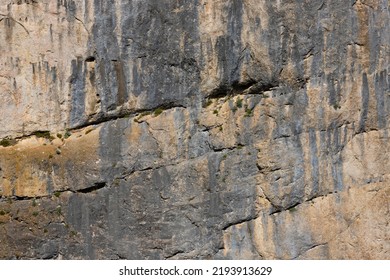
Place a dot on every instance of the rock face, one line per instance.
(206, 129)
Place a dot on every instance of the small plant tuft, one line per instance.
(143, 114)
(248, 113)
(5, 142)
(239, 102)
(158, 111)
(67, 134)
(43, 134)
(59, 135)
(57, 193)
(35, 213)
(215, 112)
(208, 103)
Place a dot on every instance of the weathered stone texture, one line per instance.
(236, 129)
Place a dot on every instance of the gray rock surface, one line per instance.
(194, 129)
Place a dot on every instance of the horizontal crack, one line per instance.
(11, 141)
(174, 254)
(93, 188)
(310, 248)
(236, 88)
(281, 209)
(240, 221)
(127, 114)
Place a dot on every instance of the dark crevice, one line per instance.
(240, 87)
(205, 128)
(144, 169)
(27, 2)
(319, 196)
(125, 114)
(93, 188)
(221, 91)
(124, 176)
(82, 23)
(101, 119)
(247, 87)
(310, 248)
(323, 5)
(168, 106)
(90, 59)
(174, 254)
(308, 53)
(218, 150)
(222, 149)
(11, 199)
(127, 174)
(244, 220)
(20, 198)
(120, 257)
(7, 141)
(278, 210)
(51, 256)
(266, 169)
(260, 88)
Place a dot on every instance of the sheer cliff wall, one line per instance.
(236, 129)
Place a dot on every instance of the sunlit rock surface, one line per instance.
(235, 129)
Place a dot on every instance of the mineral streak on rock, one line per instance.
(235, 129)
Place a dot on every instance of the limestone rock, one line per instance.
(194, 129)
